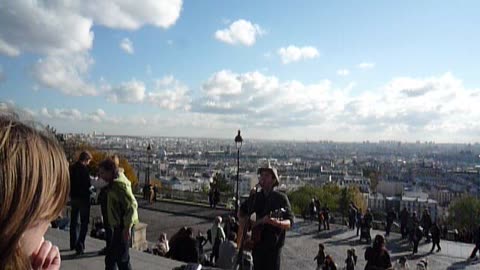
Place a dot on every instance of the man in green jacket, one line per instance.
(122, 214)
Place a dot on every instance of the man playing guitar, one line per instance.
(268, 248)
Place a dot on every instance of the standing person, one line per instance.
(351, 260)
(352, 215)
(34, 186)
(210, 196)
(326, 218)
(368, 221)
(426, 222)
(477, 244)
(216, 197)
(404, 216)
(320, 258)
(329, 263)
(358, 220)
(417, 235)
(122, 214)
(217, 237)
(102, 198)
(391, 217)
(377, 256)
(435, 230)
(80, 202)
(267, 252)
(312, 210)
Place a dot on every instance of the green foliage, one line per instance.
(221, 183)
(464, 212)
(332, 196)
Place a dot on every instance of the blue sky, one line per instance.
(341, 70)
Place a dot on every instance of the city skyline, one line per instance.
(343, 71)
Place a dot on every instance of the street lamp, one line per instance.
(238, 144)
(147, 181)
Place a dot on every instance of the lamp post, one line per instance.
(147, 180)
(238, 144)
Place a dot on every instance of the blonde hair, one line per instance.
(34, 185)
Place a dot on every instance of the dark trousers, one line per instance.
(403, 230)
(80, 208)
(215, 251)
(435, 242)
(474, 251)
(267, 259)
(358, 227)
(415, 246)
(108, 236)
(326, 224)
(118, 252)
(388, 229)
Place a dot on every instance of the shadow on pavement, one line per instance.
(84, 255)
(462, 264)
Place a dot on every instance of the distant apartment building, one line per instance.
(376, 202)
(363, 183)
(390, 188)
(445, 196)
(418, 204)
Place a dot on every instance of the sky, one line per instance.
(293, 70)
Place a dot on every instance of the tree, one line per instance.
(221, 183)
(331, 196)
(464, 212)
(99, 156)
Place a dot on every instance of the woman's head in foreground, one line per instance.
(34, 185)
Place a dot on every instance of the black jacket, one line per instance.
(79, 182)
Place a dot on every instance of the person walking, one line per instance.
(320, 258)
(404, 217)
(435, 230)
(391, 217)
(80, 202)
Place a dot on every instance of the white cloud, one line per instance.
(366, 65)
(60, 31)
(131, 15)
(240, 32)
(170, 94)
(127, 46)
(293, 53)
(264, 99)
(67, 115)
(343, 72)
(128, 92)
(66, 73)
(66, 26)
(46, 28)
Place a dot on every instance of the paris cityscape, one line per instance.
(183, 134)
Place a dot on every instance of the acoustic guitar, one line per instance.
(255, 227)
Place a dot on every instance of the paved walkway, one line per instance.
(298, 253)
(302, 245)
(91, 259)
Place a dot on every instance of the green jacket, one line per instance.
(121, 204)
